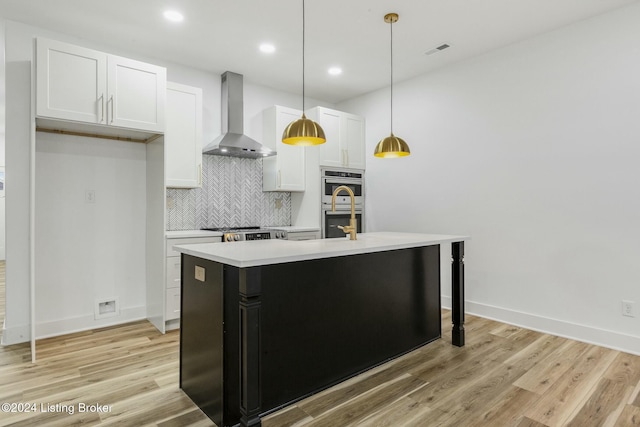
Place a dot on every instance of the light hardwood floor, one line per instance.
(504, 376)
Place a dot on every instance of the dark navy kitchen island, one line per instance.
(264, 324)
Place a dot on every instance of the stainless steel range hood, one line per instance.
(233, 142)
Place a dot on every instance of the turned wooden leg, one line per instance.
(457, 293)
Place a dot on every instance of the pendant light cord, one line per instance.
(303, 56)
(391, 85)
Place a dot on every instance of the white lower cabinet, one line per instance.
(172, 276)
(173, 304)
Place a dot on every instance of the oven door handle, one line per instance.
(342, 211)
(345, 181)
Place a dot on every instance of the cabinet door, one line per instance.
(286, 170)
(291, 169)
(331, 152)
(172, 275)
(71, 82)
(173, 304)
(183, 136)
(352, 137)
(136, 94)
(173, 272)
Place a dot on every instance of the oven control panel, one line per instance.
(260, 235)
(239, 236)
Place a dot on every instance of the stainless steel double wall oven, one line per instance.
(332, 178)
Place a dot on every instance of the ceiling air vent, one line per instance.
(437, 49)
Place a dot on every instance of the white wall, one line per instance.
(88, 251)
(2, 134)
(17, 195)
(533, 151)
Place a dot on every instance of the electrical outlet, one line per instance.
(89, 196)
(628, 308)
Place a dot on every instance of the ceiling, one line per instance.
(221, 35)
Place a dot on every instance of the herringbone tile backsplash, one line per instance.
(231, 196)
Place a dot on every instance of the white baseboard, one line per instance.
(170, 325)
(561, 328)
(88, 322)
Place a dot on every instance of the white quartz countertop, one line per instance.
(182, 234)
(267, 252)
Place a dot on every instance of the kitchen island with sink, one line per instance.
(266, 323)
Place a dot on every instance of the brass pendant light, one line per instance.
(303, 132)
(391, 146)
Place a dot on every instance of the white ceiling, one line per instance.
(220, 35)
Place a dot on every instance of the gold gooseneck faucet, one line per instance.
(352, 227)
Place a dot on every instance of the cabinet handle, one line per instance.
(102, 108)
(200, 175)
(111, 108)
(279, 182)
(346, 155)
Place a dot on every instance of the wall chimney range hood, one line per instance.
(233, 142)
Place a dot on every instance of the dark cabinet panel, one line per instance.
(201, 336)
(323, 321)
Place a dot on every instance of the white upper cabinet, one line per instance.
(332, 151)
(345, 146)
(71, 82)
(83, 85)
(136, 94)
(352, 140)
(286, 170)
(183, 136)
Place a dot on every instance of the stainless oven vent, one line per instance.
(233, 142)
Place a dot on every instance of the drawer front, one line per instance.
(173, 272)
(187, 241)
(173, 304)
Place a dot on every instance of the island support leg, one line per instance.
(457, 293)
(250, 387)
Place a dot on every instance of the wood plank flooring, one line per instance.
(504, 376)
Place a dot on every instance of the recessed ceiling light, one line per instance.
(267, 48)
(173, 16)
(335, 71)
